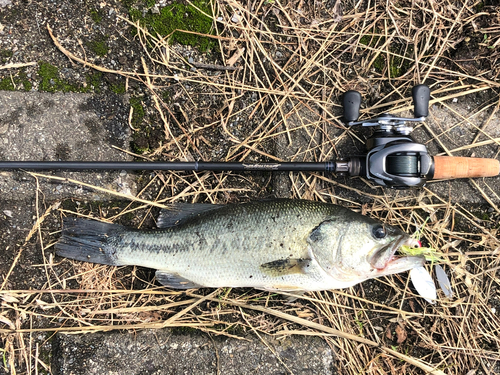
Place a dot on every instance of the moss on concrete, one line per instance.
(176, 17)
(27, 85)
(138, 114)
(5, 54)
(99, 46)
(93, 81)
(15, 82)
(148, 135)
(51, 81)
(118, 88)
(396, 66)
(96, 15)
(140, 138)
(6, 84)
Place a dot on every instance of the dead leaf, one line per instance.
(149, 316)
(7, 321)
(304, 314)
(388, 332)
(10, 298)
(43, 305)
(401, 333)
(232, 60)
(232, 44)
(337, 12)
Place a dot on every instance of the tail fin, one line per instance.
(89, 241)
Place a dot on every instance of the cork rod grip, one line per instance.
(446, 167)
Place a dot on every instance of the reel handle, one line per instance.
(421, 96)
(351, 102)
(448, 167)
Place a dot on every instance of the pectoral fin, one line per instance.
(282, 267)
(174, 281)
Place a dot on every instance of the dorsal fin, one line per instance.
(181, 212)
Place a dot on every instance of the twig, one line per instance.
(103, 190)
(16, 65)
(212, 66)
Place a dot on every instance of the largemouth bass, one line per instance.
(279, 245)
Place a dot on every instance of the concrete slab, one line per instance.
(169, 352)
(42, 126)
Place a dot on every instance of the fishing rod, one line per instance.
(393, 159)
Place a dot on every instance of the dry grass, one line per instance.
(291, 58)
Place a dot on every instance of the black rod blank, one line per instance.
(172, 166)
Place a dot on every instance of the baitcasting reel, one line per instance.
(393, 158)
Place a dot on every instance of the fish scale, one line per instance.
(231, 245)
(287, 245)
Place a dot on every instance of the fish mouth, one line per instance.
(385, 260)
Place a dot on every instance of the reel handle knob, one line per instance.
(421, 96)
(351, 104)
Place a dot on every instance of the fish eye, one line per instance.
(379, 232)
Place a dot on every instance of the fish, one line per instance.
(275, 245)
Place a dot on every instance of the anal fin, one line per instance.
(174, 281)
(293, 296)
